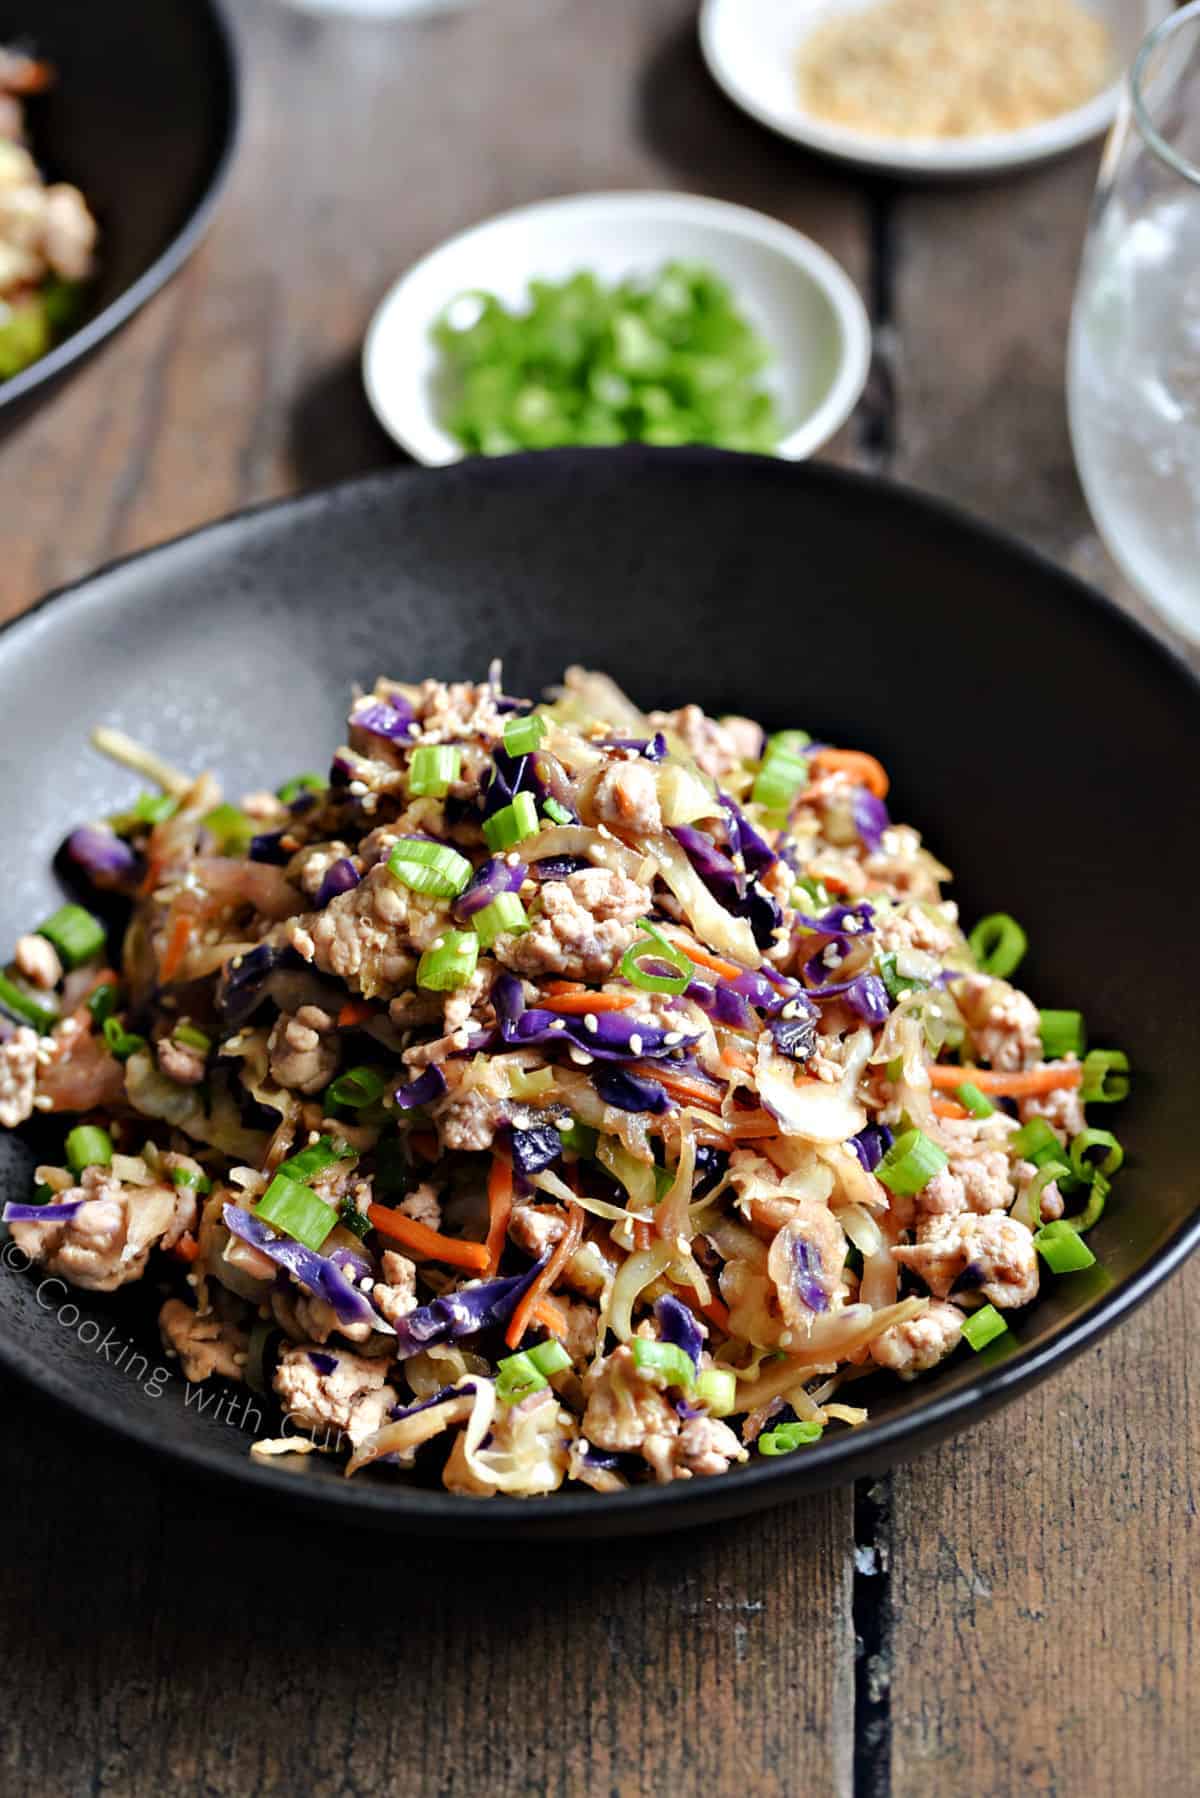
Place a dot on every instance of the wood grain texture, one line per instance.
(195, 1646)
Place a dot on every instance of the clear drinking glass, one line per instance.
(1134, 370)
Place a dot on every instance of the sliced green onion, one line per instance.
(1105, 1077)
(516, 1377)
(895, 1067)
(780, 777)
(581, 1139)
(74, 933)
(190, 1176)
(813, 895)
(24, 1005)
(355, 1089)
(525, 1086)
(557, 814)
(972, 1100)
(88, 1146)
(897, 983)
(433, 770)
(300, 783)
(911, 1163)
(352, 1219)
(1093, 1211)
(788, 1436)
(102, 1002)
(666, 1359)
(549, 1358)
(122, 1043)
(1048, 1174)
(983, 1326)
(450, 963)
(658, 949)
(504, 913)
(664, 1180)
(1063, 1033)
(42, 1194)
(716, 1387)
(231, 828)
(316, 1157)
(432, 868)
(191, 1038)
(522, 735)
(511, 824)
(998, 944)
(1085, 1142)
(1036, 1142)
(788, 742)
(1062, 1248)
(297, 1211)
(147, 808)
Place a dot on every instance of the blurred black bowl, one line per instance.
(142, 119)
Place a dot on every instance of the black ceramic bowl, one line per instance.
(1039, 738)
(142, 120)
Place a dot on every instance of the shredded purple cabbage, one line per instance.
(385, 718)
(557, 867)
(322, 1362)
(804, 1275)
(865, 994)
(651, 749)
(341, 877)
(629, 1092)
(724, 1003)
(422, 1404)
(872, 1144)
(536, 1148)
(511, 774)
(101, 855)
(423, 1090)
(616, 1036)
(796, 1037)
(741, 896)
(322, 1276)
(40, 1214)
(460, 1314)
(870, 817)
(677, 1324)
(269, 848)
(488, 882)
(744, 840)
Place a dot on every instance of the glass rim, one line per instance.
(1162, 33)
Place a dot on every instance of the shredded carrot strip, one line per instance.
(500, 1203)
(531, 1297)
(577, 1005)
(425, 1143)
(688, 1088)
(737, 1058)
(641, 1237)
(865, 769)
(949, 1108)
(186, 1249)
(427, 1243)
(703, 958)
(565, 986)
(176, 949)
(354, 1011)
(551, 1316)
(1011, 1086)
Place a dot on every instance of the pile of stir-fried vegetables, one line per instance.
(553, 1093)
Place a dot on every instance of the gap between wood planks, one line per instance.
(872, 1599)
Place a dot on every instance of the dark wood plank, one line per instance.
(174, 1640)
(1042, 1567)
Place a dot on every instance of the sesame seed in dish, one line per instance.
(953, 68)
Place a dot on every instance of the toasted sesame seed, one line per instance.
(635, 1045)
(513, 860)
(672, 1038)
(580, 1057)
(558, 1024)
(831, 955)
(357, 788)
(790, 1010)
(590, 1021)
(366, 1284)
(786, 1339)
(43, 1102)
(439, 942)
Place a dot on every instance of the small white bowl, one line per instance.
(750, 47)
(805, 307)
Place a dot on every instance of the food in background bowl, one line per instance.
(556, 1093)
(47, 234)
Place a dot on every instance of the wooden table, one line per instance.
(1023, 1598)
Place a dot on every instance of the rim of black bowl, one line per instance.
(80, 343)
(644, 1509)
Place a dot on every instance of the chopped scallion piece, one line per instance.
(189, 1176)
(557, 814)
(88, 1146)
(525, 1086)
(516, 1377)
(74, 933)
(549, 1358)
(433, 770)
(187, 1034)
(231, 828)
(972, 1100)
(1105, 1077)
(811, 895)
(1062, 1034)
(451, 964)
(23, 1005)
(432, 868)
(983, 1326)
(716, 1387)
(664, 1358)
(664, 1180)
(911, 1163)
(581, 1139)
(1062, 1248)
(291, 790)
(998, 944)
(147, 808)
(352, 1219)
(1085, 1142)
(894, 1069)
(1036, 1142)
(316, 1158)
(657, 951)
(42, 1194)
(122, 1043)
(897, 983)
(522, 735)
(355, 1089)
(504, 913)
(297, 1211)
(787, 742)
(788, 1436)
(511, 824)
(102, 1002)
(780, 777)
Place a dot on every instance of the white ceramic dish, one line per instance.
(750, 47)
(804, 305)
